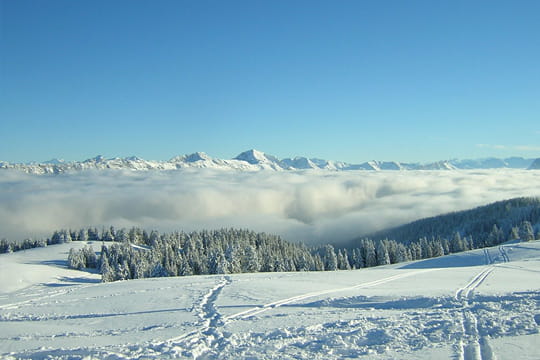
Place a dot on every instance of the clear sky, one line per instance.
(343, 80)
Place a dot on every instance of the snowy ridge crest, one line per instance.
(255, 160)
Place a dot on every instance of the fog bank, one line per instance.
(308, 206)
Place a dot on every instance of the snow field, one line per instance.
(475, 305)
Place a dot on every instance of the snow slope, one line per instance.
(482, 304)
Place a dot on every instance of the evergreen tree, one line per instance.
(437, 249)
(343, 260)
(83, 235)
(233, 258)
(56, 238)
(184, 269)
(90, 258)
(401, 254)
(318, 264)
(526, 232)
(251, 260)
(357, 258)
(382, 254)
(65, 236)
(217, 263)
(514, 233)
(494, 237)
(456, 245)
(93, 234)
(107, 273)
(5, 246)
(427, 250)
(122, 271)
(158, 271)
(75, 259)
(329, 258)
(107, 235)
(369, 253)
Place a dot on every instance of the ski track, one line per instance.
(209, 340)
(208, 337)
(257, 310)
(504, 254)
(473, 346)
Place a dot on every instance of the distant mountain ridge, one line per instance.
(254, 160)
(535, 165)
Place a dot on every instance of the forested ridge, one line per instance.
(477, 222)
(137, 253)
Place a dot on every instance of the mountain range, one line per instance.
(254, 160)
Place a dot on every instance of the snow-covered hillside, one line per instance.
(254, 160)
(482, 304)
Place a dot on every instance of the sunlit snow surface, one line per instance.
(474, 305)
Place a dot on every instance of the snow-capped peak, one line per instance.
(298, 163)
(55, 161)
(260, 159)
(256, 157)
(439, 165)
(134, 158)
(191, 158)
(97, 159)
(254, 160)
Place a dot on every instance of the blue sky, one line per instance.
(342, 80)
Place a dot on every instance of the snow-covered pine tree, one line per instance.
(5, 246)
(329, 258)
(456, 244)
(82, 235)
(343, 260)
(495, 237)
(357, 259)
(90, 258)
(370, 257)
(251, 260)
(75, 259)
(107, 274)
(526, 232)
(514, 233)
(382, 254)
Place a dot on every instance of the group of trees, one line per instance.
(84, 258)
(381, 252)
(59, 237)
(136, 253)
(513, 219)
(141, 254)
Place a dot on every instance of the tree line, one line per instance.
(507, 215)
(136, 253)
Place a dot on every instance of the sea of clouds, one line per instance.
(306, 206)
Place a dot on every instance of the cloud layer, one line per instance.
(306, 206)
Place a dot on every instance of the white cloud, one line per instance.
(491, 146)
(304, 206)
(527, 148)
